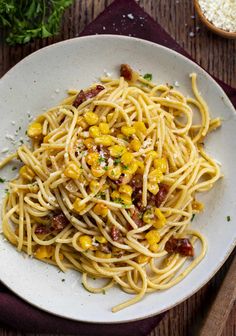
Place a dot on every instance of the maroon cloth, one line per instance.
(122, 17)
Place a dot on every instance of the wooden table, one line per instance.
(216, 55)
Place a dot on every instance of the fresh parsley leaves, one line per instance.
(228, 218)
(148, 76)
(2, 180)
(26, 20)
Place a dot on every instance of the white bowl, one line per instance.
(39, 82)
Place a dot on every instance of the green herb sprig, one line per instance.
(29, 19)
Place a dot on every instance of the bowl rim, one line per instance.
(211, 26)
(230, 247)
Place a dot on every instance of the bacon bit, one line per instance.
(119, 181)
(94, 91)
(137, 181)
(105, 248)
(42, 229)
(180, 245)
(79, 99)
(59, 222)
(136, 217)
(126, 72)
(161, 195)
(84, 95)
(115, 233)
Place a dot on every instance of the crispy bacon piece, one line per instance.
(115, 233)
(105, 248)
(42, 229)
(59, 222)
(137, 217)
(84, 95)
(180, 245)
(137, 181)
(161, 195)
(126, 71)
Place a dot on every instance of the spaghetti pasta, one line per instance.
(109, 185)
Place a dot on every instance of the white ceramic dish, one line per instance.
(39, 82)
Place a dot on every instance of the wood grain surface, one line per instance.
(215, 54)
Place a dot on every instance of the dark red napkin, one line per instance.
(122, 17)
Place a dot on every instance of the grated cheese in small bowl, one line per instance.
(220, 14)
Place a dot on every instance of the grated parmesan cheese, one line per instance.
(221, 13)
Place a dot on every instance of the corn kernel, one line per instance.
(130, 169)
(92, 158)
(40, 119)
(126, 199)
(160, 221)
(81, 122)
(77, 206)
(94, 131)
(117, 150)
(115, 194)
(149, 216)
(121, 136)
(140, 126)
(197, 206)
(89, 143)
(72, 170)
(161, 164)
(135, 145)
(140, 169)
(85, 242)
(153, 237)
(35, 130)
(101, 239)
(91, 118)
(153, 154)
(44, 252)
(104, 128)
(127, 130)
(114, 172)
(105, 140)
(153, 188)
(155, 176)
(126, 189)
(127, 158)
(102, 255)
(110, 116)
(141, 259)
(94, 185)
(105, 187)
(97, 171)
(154, 248)
(100, 209)
(27, 173)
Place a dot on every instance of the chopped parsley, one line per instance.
(118, 200)
(125, 167)
(101, 195)
(228, 218)
(103, 292)
(7, 191)
(148, 76)
(117, 161)
(105, 168)
(63, 280)
(101, 159)
(21, 141)
(2, 180)
(14, 168)
(193, 217)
